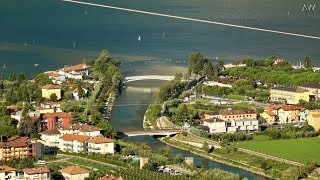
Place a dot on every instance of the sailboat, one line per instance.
(163, 35)
(288, 13)
(35, 65)
(139, 38)
(85, 12)
(4, 66)
(74, 44)
(25, 43)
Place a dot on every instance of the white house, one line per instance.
(51, 138)
(226, 126)
(246, 124)
(75, 93)
(74, 173)
(42, 173)
(7, 172)
(82, 129)
(73, 143)
(101, 145)
(75, 72)
(216, 125)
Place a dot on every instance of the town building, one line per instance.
(81, 129)
(101, 145)
(217, 125)
(314, 119)
(50, 138)
(74, 143)
(75, 72)
(289, 95)
(50, 89)
(55, 120)
(40, 173)
(51, 105)
(314, 90)
(18, 147)
(75, 93)
(285, 114)
(56, 77)
(229, 114)
(7, 173)
(74, 173)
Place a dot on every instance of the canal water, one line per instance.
(128, 113)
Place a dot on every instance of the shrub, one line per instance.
(264, 165)
(311, 134)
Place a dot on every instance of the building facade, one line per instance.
(40, 173)
(285, 114)
(74, 143)
(314, 119)
(229, 114)
(289, 95)
(74, 173)
(50, 89)
(7, 173)
(101, 145)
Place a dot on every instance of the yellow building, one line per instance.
(289, 95)
(49, 89)
(314, 119)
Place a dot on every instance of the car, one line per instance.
(41, 162)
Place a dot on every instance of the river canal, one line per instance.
(128, 114)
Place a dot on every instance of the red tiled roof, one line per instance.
(74, 137)
(54, 74)
(270, 113)
(73, 170)
(83, 127)
(39, 170)
(51, 86)
(99, 140)
(230, 112)
(6, 169)
(291, 108)
(77, 67)
(57, 114)
(271, 108)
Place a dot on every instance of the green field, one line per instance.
(300, 150)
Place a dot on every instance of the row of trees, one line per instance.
(291, 132)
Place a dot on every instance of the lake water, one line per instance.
(125, 116)
(49, 28)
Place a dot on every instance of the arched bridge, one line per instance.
(148, 77)
(149, 132)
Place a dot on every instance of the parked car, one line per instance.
(41, 162)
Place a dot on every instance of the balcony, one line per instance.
(94, 148)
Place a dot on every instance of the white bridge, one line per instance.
(147, 77)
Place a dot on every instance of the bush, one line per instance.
(199, 132)
(311, 134)
(264, 165)
(184, 133)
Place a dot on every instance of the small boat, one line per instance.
(288, 13)
(4, 66)
(139, 38)
(85, 12)
(35, 65)
(163, 35)
(74, 44)
(25, 43)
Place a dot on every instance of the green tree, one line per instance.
(106, 128)
(205, 147)
(196, 62)
(27, 127)
(307, 63)
(53, 97)
(81, 92)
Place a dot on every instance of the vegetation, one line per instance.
(153, 112)
(291, 132)
(301, 150)
(19, 164)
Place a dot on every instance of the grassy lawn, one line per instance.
(300, 150)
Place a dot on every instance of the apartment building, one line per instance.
(289, 95)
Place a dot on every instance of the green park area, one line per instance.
(301, 150)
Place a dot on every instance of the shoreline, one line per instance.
(215, 159)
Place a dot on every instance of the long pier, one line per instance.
(195, 20)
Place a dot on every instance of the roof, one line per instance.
(110, 177)
(54, 74)
(214, 120)
(231, 112)
(17, 141)
(51, 132)
(57, 115)
(286, 108)
(99, 140)
(83, 127)
(271, 108)
(311, 85)
(6, 169)
(39, 170)
(296, 89)
(50, 86)
(74, 137)
(73, 170)
(77, 67)
(270, 113)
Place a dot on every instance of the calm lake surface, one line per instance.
(43, 32)
(126, 116)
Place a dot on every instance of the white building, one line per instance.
(217, 125)
(75, 72)
(75, 93)
(50, 104)
(82, 129)
(74, 173)
(101, 145)
(51, 138)
(7, 172)
(74, 143)
(41, 173)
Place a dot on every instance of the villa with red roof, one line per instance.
(42, 173)
(55, 120)
(74, 172)
(285, 114)
(75, 72)
(73, 143)
(50, 89)
(101, 145)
